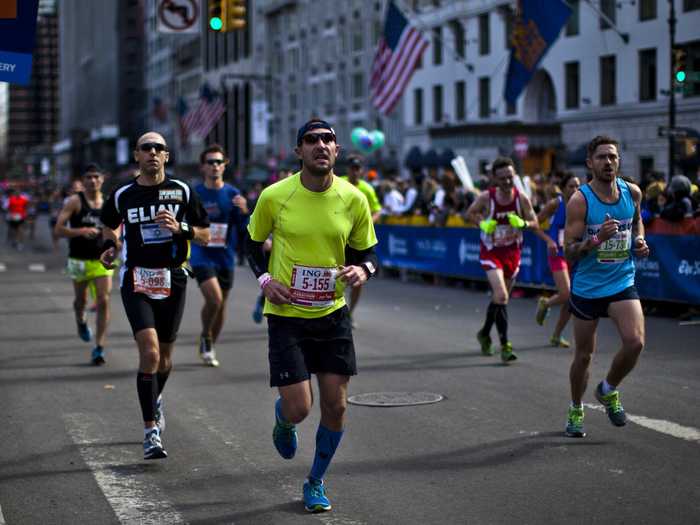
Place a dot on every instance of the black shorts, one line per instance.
(14, 225)
(162, 314)
(591, 309)
(223, 275)
(301, 347)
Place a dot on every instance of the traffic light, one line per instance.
(680, 73)
(217, 15)
(235, 14)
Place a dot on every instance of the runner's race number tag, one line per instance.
(313, 287)
(152, 233)
(505, 235)
(153, 282)
(217, 232)
(75, 268)
(616, 249)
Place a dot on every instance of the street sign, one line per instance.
(664, 131)
(178, 16)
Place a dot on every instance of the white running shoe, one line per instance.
(209, 358)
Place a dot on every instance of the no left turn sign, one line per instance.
(178, 16)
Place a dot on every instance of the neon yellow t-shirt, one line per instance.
(368, 191)
(310, 231)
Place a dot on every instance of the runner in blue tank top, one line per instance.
(603, 230)
(213, 264)
(555, 211)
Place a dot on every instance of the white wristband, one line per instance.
(264, 280)
(638, 237)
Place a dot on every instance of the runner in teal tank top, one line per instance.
(603, 231)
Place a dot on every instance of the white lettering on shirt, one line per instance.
(147, 214)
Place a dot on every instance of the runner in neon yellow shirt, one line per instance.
(355, 177)
(323, 241)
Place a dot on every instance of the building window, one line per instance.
(511, 108)
(437, 46)
(437, 104)
(607, 80)
(484, 97)
(647, 75)
(358, 85)
(691, 5)
(357, 40)
(460, 100)
(646, 166)
(647, 10)
(608, 8)
(460, 41)
(572, 26)
(484, 35)
(571, 76)
(508, 26)
(418, 106)
(692, 60)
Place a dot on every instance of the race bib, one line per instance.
(313, 287)
(505, 235)
(560, 240)
(14, 217)
(616, 249)
(152, 233)
(153, 282)
(218, 234)
(75, 268)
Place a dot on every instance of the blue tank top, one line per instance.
(609, 269)
(556, 227)
(225, 221)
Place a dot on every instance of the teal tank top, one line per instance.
(609, 269)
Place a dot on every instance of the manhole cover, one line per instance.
(395, 399)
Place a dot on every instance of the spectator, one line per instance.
(679, 205)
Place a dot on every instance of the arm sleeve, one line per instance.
(109, 214)
(357, 257)
(255, 255)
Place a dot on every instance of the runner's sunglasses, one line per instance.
(312, 138)
(148, 146)
(215, 162)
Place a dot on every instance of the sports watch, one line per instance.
(187, 232)
(369, 269)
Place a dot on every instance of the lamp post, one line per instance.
(672, 97)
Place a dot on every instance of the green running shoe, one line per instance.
(507, 354)
(559, 341)
(613, 407)
(485, 342)
(542, 310)
(574, 423)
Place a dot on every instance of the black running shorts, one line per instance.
(591, 309)
(300, 347)
(223, 275)
(162, 314)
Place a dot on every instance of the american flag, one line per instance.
(399, 51)
(202, 119)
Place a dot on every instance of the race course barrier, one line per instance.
(671, 273)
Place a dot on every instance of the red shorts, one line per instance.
(506, 259)
(558, 264)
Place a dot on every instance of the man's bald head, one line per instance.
(151, 136)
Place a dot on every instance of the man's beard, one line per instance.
(320, 172)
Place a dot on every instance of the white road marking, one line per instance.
(2, 518)
(132, 499)
(37, 267)
(2, 269)
(659, 425)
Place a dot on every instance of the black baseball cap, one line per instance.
(312, 124)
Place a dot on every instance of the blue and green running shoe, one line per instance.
(315, 499)
(485, 343)
(84, 331)
(574, 423)
(613, 407)
(98, 356)
(507, 354)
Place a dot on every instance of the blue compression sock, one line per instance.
(326, 443)
(278, 411)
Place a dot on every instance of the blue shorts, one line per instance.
(592, 309)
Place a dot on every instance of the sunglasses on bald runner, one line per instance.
(312, 138)
(148, 146)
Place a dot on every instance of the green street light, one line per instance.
(680, 76)
(216, 23)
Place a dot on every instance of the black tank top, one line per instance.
(87, 217)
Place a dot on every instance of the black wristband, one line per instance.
(109, 243)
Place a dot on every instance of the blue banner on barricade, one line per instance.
(671, 273)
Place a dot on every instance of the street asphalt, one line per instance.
(492, 452)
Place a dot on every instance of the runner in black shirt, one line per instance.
(79, 221)
(161, 215)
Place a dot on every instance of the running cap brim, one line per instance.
(311, 125)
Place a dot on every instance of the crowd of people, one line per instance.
(310, 236)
